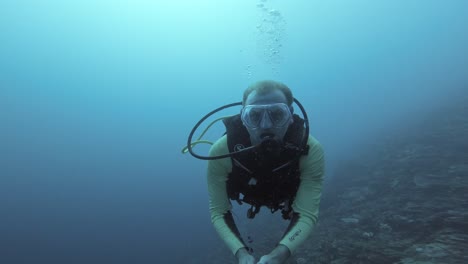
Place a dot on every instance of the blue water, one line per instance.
(97, 99)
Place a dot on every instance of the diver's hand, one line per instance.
(279, 255)
(244, 257)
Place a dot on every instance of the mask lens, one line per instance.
(255, 116)
(279, 114)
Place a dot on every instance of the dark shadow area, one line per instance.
(404, 201)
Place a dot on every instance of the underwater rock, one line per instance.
(301, 261)
(430, 180)
(411, 195)
(350, 220)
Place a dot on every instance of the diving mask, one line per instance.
(278, 114)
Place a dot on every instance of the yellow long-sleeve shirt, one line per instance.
(306, 203)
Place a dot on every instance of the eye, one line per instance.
(255, 115)
(277, 115)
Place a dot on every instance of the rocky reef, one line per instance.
(404, 201)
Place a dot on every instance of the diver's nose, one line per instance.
(265, 122)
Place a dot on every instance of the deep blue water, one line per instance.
(97, 99)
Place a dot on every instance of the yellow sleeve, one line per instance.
(307, 200)
(217, 174)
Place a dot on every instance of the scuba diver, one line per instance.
(266, 159)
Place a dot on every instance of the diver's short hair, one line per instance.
(267, 86)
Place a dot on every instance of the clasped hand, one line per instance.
(278, 256)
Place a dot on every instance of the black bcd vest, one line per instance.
(259, 181)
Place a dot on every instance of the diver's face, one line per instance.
(266, 128)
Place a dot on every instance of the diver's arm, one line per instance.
(306, 203)
(220, 206)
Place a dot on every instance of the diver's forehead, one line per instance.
(268, 98)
